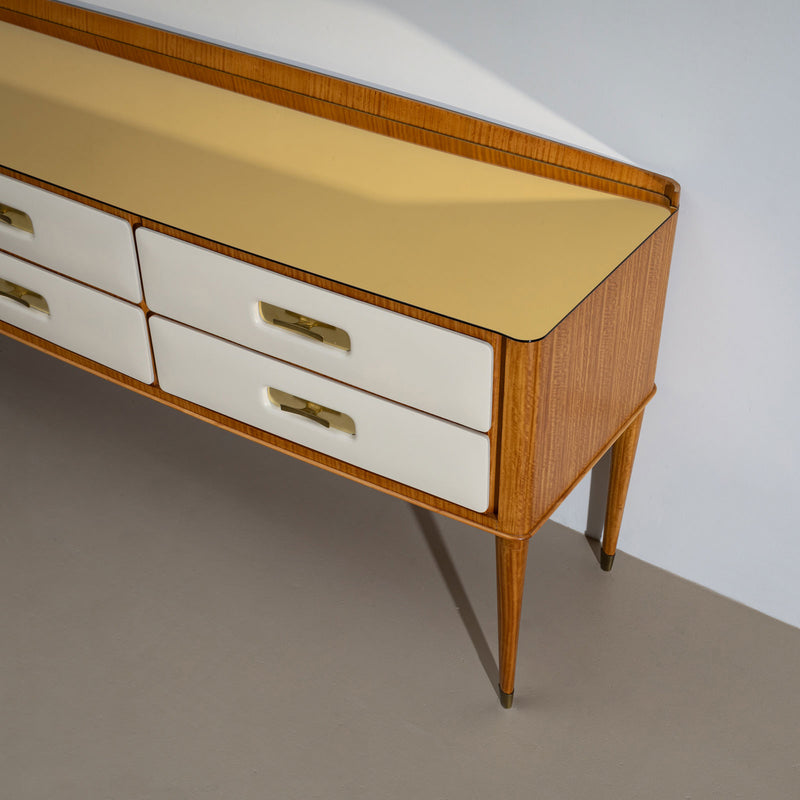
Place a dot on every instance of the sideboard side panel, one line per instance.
(597, 368)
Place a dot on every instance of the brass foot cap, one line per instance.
(506, 698)
(606, 561)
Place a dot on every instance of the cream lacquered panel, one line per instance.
(71, 238)
(86, 321)
(415, 363)
(493, 247)
(421, 451)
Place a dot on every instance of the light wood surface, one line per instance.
(622, 455)
(511, 557)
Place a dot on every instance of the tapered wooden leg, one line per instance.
(622, 455)
(512, 555)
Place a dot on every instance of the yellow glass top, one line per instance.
(490, 246)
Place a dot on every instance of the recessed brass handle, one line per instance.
(304, 326)
(25, 297)
(326, 417)
(15, 218)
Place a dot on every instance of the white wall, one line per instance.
(704, 91)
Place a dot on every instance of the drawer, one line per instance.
(421, 365)
(426, 453)
(69, 237)
(83, 320)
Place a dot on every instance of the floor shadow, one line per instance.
(430, 530)
(598, 499)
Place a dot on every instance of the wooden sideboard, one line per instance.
(453, 312)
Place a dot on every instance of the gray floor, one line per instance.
(188, 615)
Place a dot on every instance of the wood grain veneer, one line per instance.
(598, 366)
(511, 559)
(344, 101)
(559, 402)
(622, 456)
(570, 393)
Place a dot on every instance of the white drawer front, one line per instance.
(71, 238)
(421, 365)
(408, 446)
(83, 320)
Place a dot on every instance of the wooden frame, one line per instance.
(559, 402)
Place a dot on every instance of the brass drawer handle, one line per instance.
(326, 417)
(305, 326)
(25, 297)
(15, 218)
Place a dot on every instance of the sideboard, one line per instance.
(453, 312)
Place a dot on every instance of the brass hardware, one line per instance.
(23, 296)
(606, 561)
(506, 698)
(326, 417)
(15, 218)
(305, 326)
